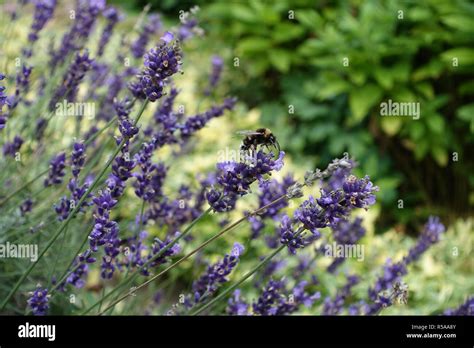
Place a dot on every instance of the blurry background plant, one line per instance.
(284, 59)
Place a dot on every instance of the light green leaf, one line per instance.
(280, 59)
(362, 99)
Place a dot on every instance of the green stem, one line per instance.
(71, 215)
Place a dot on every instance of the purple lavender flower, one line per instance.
(41, 125)
(197, 122)
(467, 308)
(161, 62)
(103, 225)
(275, 299)
(76, 278)
(217, 65)
(38, 301)
(359, 192)
(151, 177)
(56, 170)
(10, 149)
(189, 25)
(392, 273)
(87, 12)
(292, 238)
(3, 101)
(152, 26)
(237, 306)
(157, 247)
(338, 177)
(216, 274)
(113, 16)
(78, 157)
(66, 205)
(330, 208)
(346, 233)
(71, 80)
(429, 236)
(271, 296)
(335, 306)
(44, 10)
(235, 178)
(22, 86)
(26, 206)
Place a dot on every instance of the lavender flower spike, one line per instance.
(160, 63)
(56, 170)
(38, 301)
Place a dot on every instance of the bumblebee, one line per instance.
(258, 138)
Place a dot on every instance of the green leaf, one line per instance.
(286, 32)
(391, 125)
(466, 113)
(280, 59)
(308, 17)
(440, 155)
(465, 56)
(459, 22)
(362, 99)
(253, 45)
(435, 123)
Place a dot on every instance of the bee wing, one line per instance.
(247, 132)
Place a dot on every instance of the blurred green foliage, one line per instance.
(292, 54)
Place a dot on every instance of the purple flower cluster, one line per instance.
(156, 248)
(86, 14)
(74, 75)
(78, 158)
(113, 16)
(38, 301)
(235, 178)
(149, 180)
(44, 10)
(237, 306)
(275, 299)
(56, 170)
(346, 232)
(467, 308)
(217, 65)
(151, 27)
(22, 86)
(26, 206)
(10, 149)
(189, 25)
(216, 274)
(197, 122)
(429, 236)
(325, 211)
(335, 306)
(3, 102)
(161, 62)
(393, 272)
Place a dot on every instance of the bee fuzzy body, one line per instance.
(259, 137)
